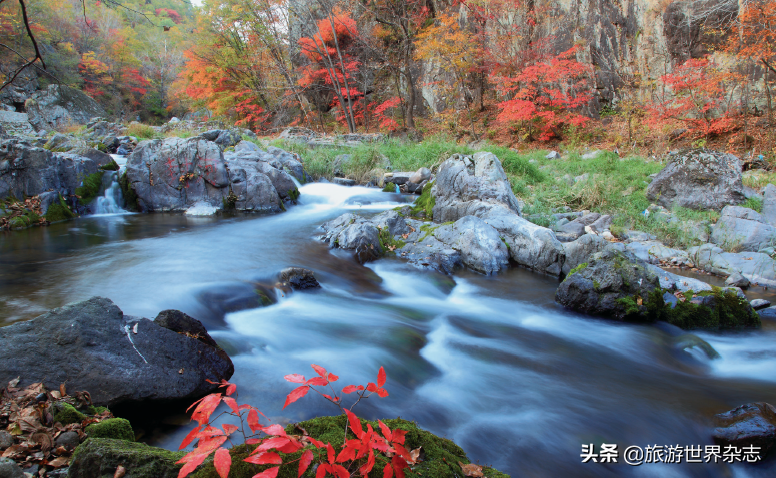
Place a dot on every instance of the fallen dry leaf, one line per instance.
(13, 383)
(60, 461)
(120, 472)
(62, 390)
(414, 455)
(405, 236)
(134, 329)
(471, 469)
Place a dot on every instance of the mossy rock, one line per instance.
(715, 309)
(130, 196)
(66, 414)
(112, 166)
(293, 194)
(387, 241)
(59, 211)
(389, 188)
(116, 428)
(99, 458)
(578, 268)
(424, 205)
(90, 189)
(441, 456)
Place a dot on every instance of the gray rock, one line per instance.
(26, 170)
(354, 233)
(578, 251)
(471, 186)
(183, 323)
(398, 177)
(737, 280)
(15, 124)
(479, 244)
(552, 155)
(581, 177)
(246, 146)
(393, 221)
(757, 267)
(61, 143)
(344, 181)
(422, 174)
(769, 204)
(9, 469)
(655, 252)
(699, 179)
(670, 299)
(530, 246)
(638, 236)
(602, 223)
(6, 439)
(741, 229)
(99, 458)
(298, 278)
(753, 424)
(90, 346)
(768, 313)
(758, 304)
(175, 174)
(59, 106)
(69, 440)
(592, 154)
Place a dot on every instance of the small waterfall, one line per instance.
(398, 191)
(111, 200)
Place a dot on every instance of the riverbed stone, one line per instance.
(737, 280)
(91, 345)
(298, 278)
(758, 304)
(699, 179)
(753, 424)
(68, 439)
(742, 229)
(480, 245)
(6, 439)
(757, 267)
(9, 469)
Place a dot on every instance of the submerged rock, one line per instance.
(753, 424)
(91, 345)
(298, 278)
(699, 179)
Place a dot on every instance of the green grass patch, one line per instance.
(754, 203)
(143, 131)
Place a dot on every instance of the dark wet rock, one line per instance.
(699, 179)
(742, 229)
(182, 323)
(69, 440)
(753, 424)
(90, 345)
(344, 181)
(758, 304)
(9, 469)
(768, 313)
(60, 106)
(222, 299)
(99, 458)
(6, 439)
(298, 278)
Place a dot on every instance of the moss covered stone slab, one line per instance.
(440, 456)
(115, 428)
(99, 458)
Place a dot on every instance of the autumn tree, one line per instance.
(446, 44)
(546, 95)
(700, 95)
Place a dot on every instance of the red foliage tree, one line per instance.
(546, 95)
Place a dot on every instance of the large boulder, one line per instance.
(742, 229)
(479, 244)
(471, 186)
(175, 174)
(617, 284)
(750, 425)
(60, 106)
(699, 179)
(91, 345)
(26, 170)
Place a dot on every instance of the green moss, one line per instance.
(230, 201)
(293, 194)
(389, 188)
(754, 203)
(130, 196)
(66, 414)
(729, 311)
(577, 269)
(440, 461)
(386, 239)
(424, 205)
(99, 458)
(19, 222)
(116, 428)
(59, 211)
(112, 166)
(90, 189)
(102, 147)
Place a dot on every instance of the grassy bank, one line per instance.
(606, 184)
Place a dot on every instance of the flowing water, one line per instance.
(490, 362)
